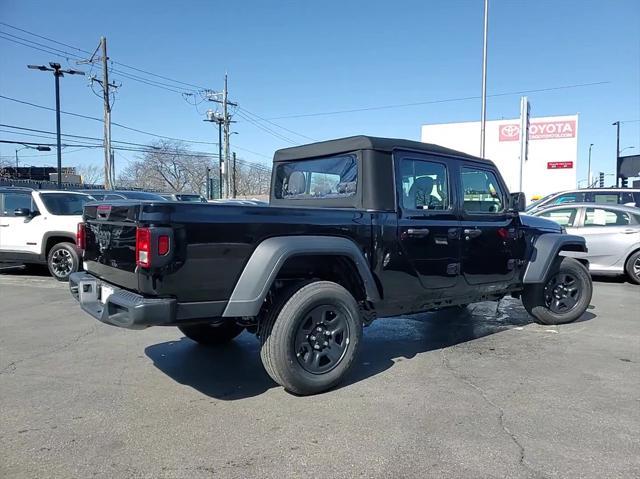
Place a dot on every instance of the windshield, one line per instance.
(190, 198)
(538, 202)
(65, 204)
(141, 195)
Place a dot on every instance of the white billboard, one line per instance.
(552, 152)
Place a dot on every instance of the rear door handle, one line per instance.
(418, 231)
(4, 225)
(472, 233)
(630, 231)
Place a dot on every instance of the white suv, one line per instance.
(39, 227)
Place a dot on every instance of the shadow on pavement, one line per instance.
(234, 371)
(24, 270)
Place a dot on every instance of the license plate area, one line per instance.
(105, 292)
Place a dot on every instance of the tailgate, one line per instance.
(110, 250)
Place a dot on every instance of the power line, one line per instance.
(431, 102)
(266, 129)
(140, 70)
(276, 125)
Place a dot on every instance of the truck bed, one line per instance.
(212, 242)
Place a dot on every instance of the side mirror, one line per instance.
(518, 202)
(26, 212)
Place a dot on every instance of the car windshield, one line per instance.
(141, 195)
(538, 202)
(65, 204)
(189, 198)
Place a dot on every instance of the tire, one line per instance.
(310, 338)
(632, 267)
(212, 334)
(565, 295)
(63, 259)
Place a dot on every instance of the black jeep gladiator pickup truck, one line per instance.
(356, 228)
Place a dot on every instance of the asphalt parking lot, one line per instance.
(486, 393)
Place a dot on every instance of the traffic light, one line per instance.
(625, 182)
(601, 180)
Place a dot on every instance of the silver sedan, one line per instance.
(612, 233)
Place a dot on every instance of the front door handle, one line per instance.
(471, 233)
(418, 231)
(4, 225)
(630, 231)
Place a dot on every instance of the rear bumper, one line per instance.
(121, 308)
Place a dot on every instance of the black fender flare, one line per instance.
(546, 248)
(269, 256)
(49, 234)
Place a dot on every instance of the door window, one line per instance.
(568, 198)
(602, 217)
(605, 198)
(12, 201)
(482, 192)
(425, 185)
(564, 217)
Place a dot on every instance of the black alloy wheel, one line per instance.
(562, 293)
(322, 339)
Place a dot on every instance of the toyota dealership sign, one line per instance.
(540, 130)
(552, 158)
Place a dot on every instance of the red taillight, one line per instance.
(81, 236)
(163, 245)
(143, 247)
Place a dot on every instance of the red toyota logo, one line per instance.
(510, 131)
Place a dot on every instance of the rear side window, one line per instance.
(564, 216)
(425, 185)
(602, 217)
(482, 192)
(330, 177)
(65, 204)
(13, 201)
(605, 198)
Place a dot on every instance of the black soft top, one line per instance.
(362, 142)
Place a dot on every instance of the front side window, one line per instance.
(482, 193)
(65, 204)
(322, 178)
(602, 217)
(13, 201)
(569, 198)
(605, 198)
(564, 217)
(424, 185)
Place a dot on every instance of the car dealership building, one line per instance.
(552, 150)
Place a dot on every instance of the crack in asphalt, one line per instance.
(12, 366)
(501, 414)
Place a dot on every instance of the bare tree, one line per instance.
(168, 166)
(91, 174)
(252, 179)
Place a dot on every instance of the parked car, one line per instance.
(40, 226)
(606, 196)
(612, 233)
(189, 197)
(101, 195)
(356, 228)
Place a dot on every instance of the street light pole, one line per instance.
(589, 167)
(24, 147)
(617, 125)
(57, 73)
(483, 113)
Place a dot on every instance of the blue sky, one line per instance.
(287, 58)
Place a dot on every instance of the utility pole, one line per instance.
(57, 73)
(617, 125)
(108, 183)
(109, 166)
(234, 175)
(224, 131)
(483, 113)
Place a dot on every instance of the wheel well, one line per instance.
(337, 268)
(54, 240)
(629, 256)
